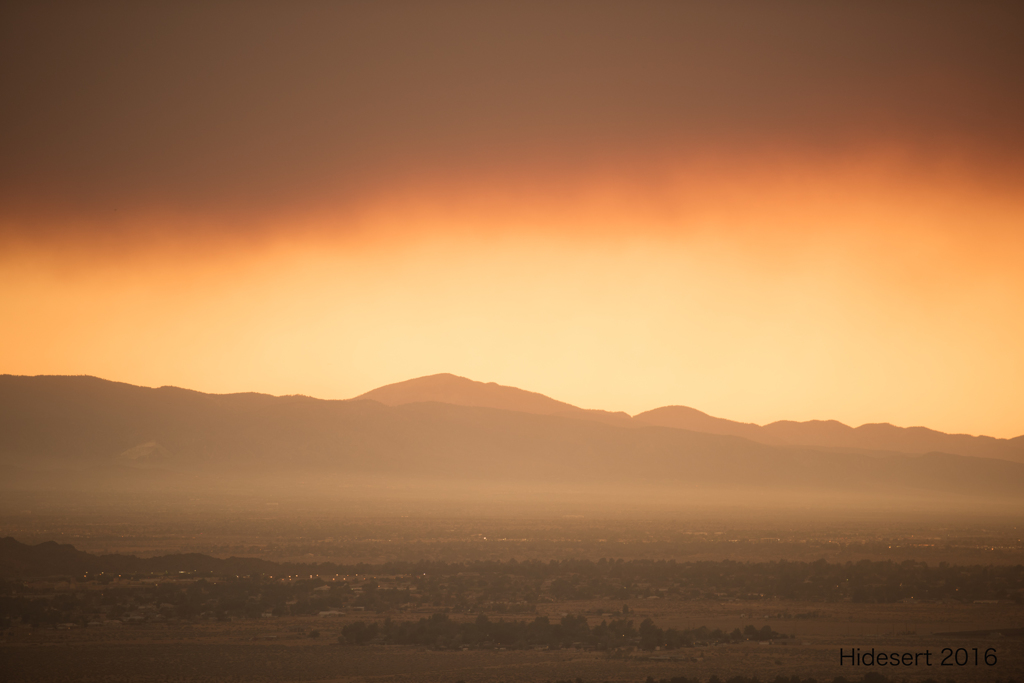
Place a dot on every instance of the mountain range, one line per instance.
(84, 432)
(447, 388)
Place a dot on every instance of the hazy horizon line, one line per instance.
(630, 415)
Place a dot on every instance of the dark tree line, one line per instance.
(471, 586)
(439, 630)
(504, 587)
(864, 581)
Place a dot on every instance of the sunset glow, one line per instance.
(828, 297)
(752, 269)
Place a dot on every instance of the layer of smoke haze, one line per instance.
(233, 110)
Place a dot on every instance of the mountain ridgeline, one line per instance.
(446, 388)
(446, 431)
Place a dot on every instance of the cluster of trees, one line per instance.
(513, 588)
(232, 597)
(473, 586)
(39, 611)
(440, 630)
(469, 587)
(465, 585)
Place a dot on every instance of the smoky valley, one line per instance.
(450, 530)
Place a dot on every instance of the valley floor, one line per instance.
(282, 649)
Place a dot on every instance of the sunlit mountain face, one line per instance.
(768, 213)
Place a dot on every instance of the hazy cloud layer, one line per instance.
(233, 110)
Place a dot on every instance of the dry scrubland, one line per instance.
(281, 649)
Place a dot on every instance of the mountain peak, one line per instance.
(448, 388)
(683, 417)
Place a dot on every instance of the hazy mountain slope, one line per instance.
(88, 421)
(682, 417)
(447, 388)
(460, 391)
(889, 437)
(84, 422)
(80, 423)
(833, 434)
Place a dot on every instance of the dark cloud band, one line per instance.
(248, 107)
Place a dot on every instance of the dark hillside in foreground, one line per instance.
(105, 431)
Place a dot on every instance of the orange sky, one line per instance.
(793, 232)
